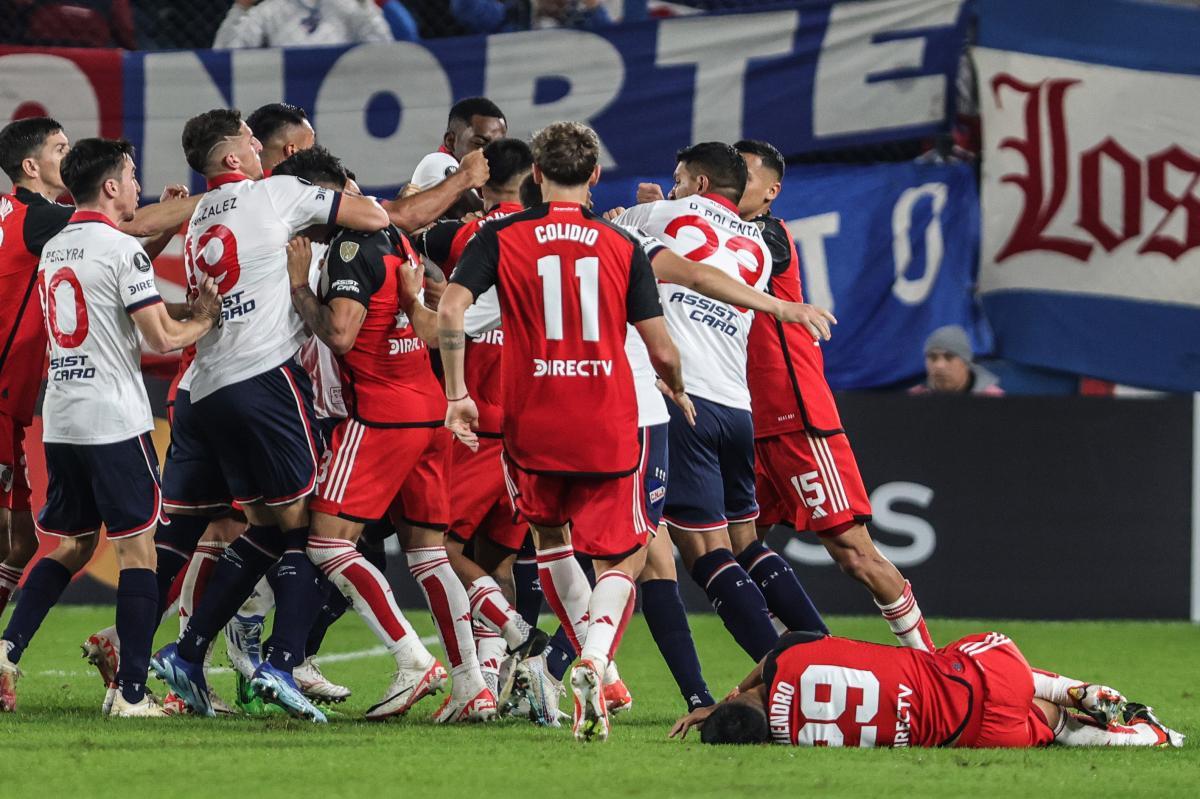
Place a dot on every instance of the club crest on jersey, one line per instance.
(347, 250)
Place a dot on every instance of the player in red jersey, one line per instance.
(31, 154)
(388, 457)
(481, 512)
(569, 283)
(806, 474)
(978, 692)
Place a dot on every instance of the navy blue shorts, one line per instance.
(192, 473)
(92, 484)
(264, 433)
(654, 475)
(711, 476)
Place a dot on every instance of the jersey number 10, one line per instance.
(587, 272)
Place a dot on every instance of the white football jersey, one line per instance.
(316, 357)
(92, 277)
(711, 335)
(433, 169)
(238, 236)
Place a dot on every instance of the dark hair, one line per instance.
(90, 163)
(720, 163)
(272, 118)
(464, 109)
(772, 159)
(735, 723)
(205, 131)
(20, 140)
(506, 158)
(316, 165)
(531, 192)
(567, 152)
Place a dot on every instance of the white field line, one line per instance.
(333, 657)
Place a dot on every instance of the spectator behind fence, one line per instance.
(499, 16)
(950, 366)
(284, 23)
(69, 23)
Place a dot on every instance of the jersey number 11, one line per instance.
(587, 272)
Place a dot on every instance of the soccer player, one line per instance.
(569, 283)
(818, 690)
(283, 129)
(710, 490)
(806, 474)
(252, 398)
(474, 122)
(98, 293)
(388, 457)
(481, 512)
(31, 154)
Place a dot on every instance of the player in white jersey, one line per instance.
(252, 398)
(711, 484)
(98, 293)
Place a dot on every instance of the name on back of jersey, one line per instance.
(61, 255)
(215, 209)
(716, 315)
(71, 367)
(566, 231)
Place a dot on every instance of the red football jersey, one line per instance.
(27, 221)
(444, 244)
(387, 378)
(841, 692)
(568, 283)
(784, 367)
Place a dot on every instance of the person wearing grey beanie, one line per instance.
(950, 366)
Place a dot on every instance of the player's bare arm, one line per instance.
(165, 334)
(154, 245)
(160, 218)
(435, 285)
(462, 417)
(750, 690)
(712, 282)
(415, 211)
(664, 356)
(361, 213)
(337, 324)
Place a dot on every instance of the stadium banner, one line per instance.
(890, 248)
(1091, 215)
(1008, 511)
(808, 75)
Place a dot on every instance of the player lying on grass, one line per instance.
(978, 692)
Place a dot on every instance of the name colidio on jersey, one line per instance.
(717, 315)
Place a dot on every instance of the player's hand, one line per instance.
(207, 302)
(694, 719)
(299, 260)
(174, 191)
(412, 279)
(409, 190)
(471, 217)
(649, 193)
(680, 398)
(816, 320)
(612, 213)
(462, 418)
(475, 167)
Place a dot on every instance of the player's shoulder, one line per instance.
(611, 227)
(349, 245)
(496, 225)
(433, 169)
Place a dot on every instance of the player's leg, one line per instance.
(695, 516)
(137, 618)
(527, 588)
(837, 510)
(666, 617)
(18, 542)
(1138, 726)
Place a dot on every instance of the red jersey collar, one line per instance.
(506, 208)
(226, 177)
(719, 200)
(91, 216)
(444, 149)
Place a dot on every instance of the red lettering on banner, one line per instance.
(1044, 104)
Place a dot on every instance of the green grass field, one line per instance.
(58, 744)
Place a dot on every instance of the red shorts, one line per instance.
(14, 472)
(1002, 714)
(371, 472)
(809, 482)
(607, 514)
(479, 497)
